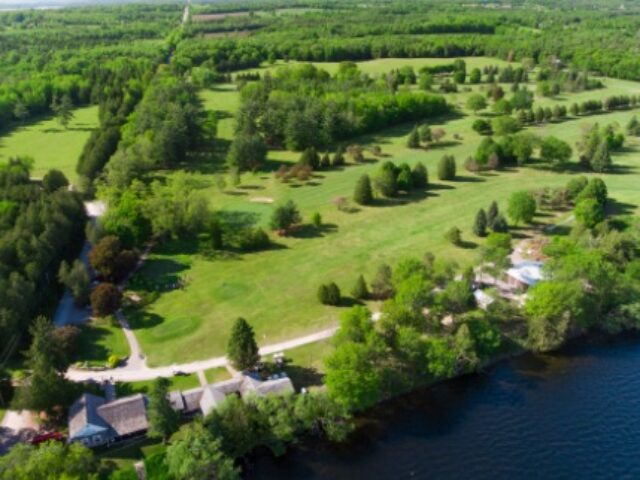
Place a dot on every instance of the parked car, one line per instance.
(46, 437)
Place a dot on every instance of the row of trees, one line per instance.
(302, 107)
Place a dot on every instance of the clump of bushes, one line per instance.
(329, 294)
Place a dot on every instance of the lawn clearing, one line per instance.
(178, 382)
(276, 290)
(50, 144)
(305, 364)
(100, 339)
(218, 374)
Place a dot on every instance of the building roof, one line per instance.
(483, 299)
(211, 398)
(245, 385)
(126, 415)
(84, 420)
(192, 399)
(527, 272)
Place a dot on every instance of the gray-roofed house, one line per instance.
(93, 422)
(245, 386)
(85, 425)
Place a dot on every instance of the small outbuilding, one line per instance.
(524, 274)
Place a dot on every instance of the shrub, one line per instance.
(54, 180)
(360, 290)
(419, 176)
(482, 126)
(316, 220)
(522, 207)
(113, 361)
(363, 194)
(453, 236)
(329, 294)
(447, 168)
(253, 239)
(413, 140)
(285, 216)
(386, 182)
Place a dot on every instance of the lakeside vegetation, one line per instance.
(302, 174)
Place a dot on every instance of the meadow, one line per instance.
(49, 143)
(275, 290)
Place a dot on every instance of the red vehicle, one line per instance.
(45, 437)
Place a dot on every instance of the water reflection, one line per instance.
(575, 414)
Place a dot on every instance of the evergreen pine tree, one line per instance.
(480, 225)
(574, 109)
(601, 159)
(420, 176)
(363, 194)
(447, 168)
(492, 213)
(325, 161)
(338, 158)
(360, 290)
(413, 141)
(242, 349)
(163, 419)
(500, 224)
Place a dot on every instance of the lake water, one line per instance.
(574, 414)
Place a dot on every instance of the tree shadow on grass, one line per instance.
(90, 347)
(614, 207)
(250, 187)
(468, 179)
(467, 245)
(236, 220)
(141, 320)
(303, 376)
(440, 186)
(348, 302)
(309, 231)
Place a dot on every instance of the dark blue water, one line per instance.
(571, 415)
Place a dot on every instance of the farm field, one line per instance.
(275, 290)
(50, 144)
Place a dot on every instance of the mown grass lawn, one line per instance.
(178, 382)
(218, 374)
(50, 144)
(275, 290)
(100, 339)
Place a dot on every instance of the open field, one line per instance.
(276, 290)
(50, 145)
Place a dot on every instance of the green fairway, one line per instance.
(50, 144)
(275, 290)
(385, 65)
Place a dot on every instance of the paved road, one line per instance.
(67, 312)
(138, 371)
